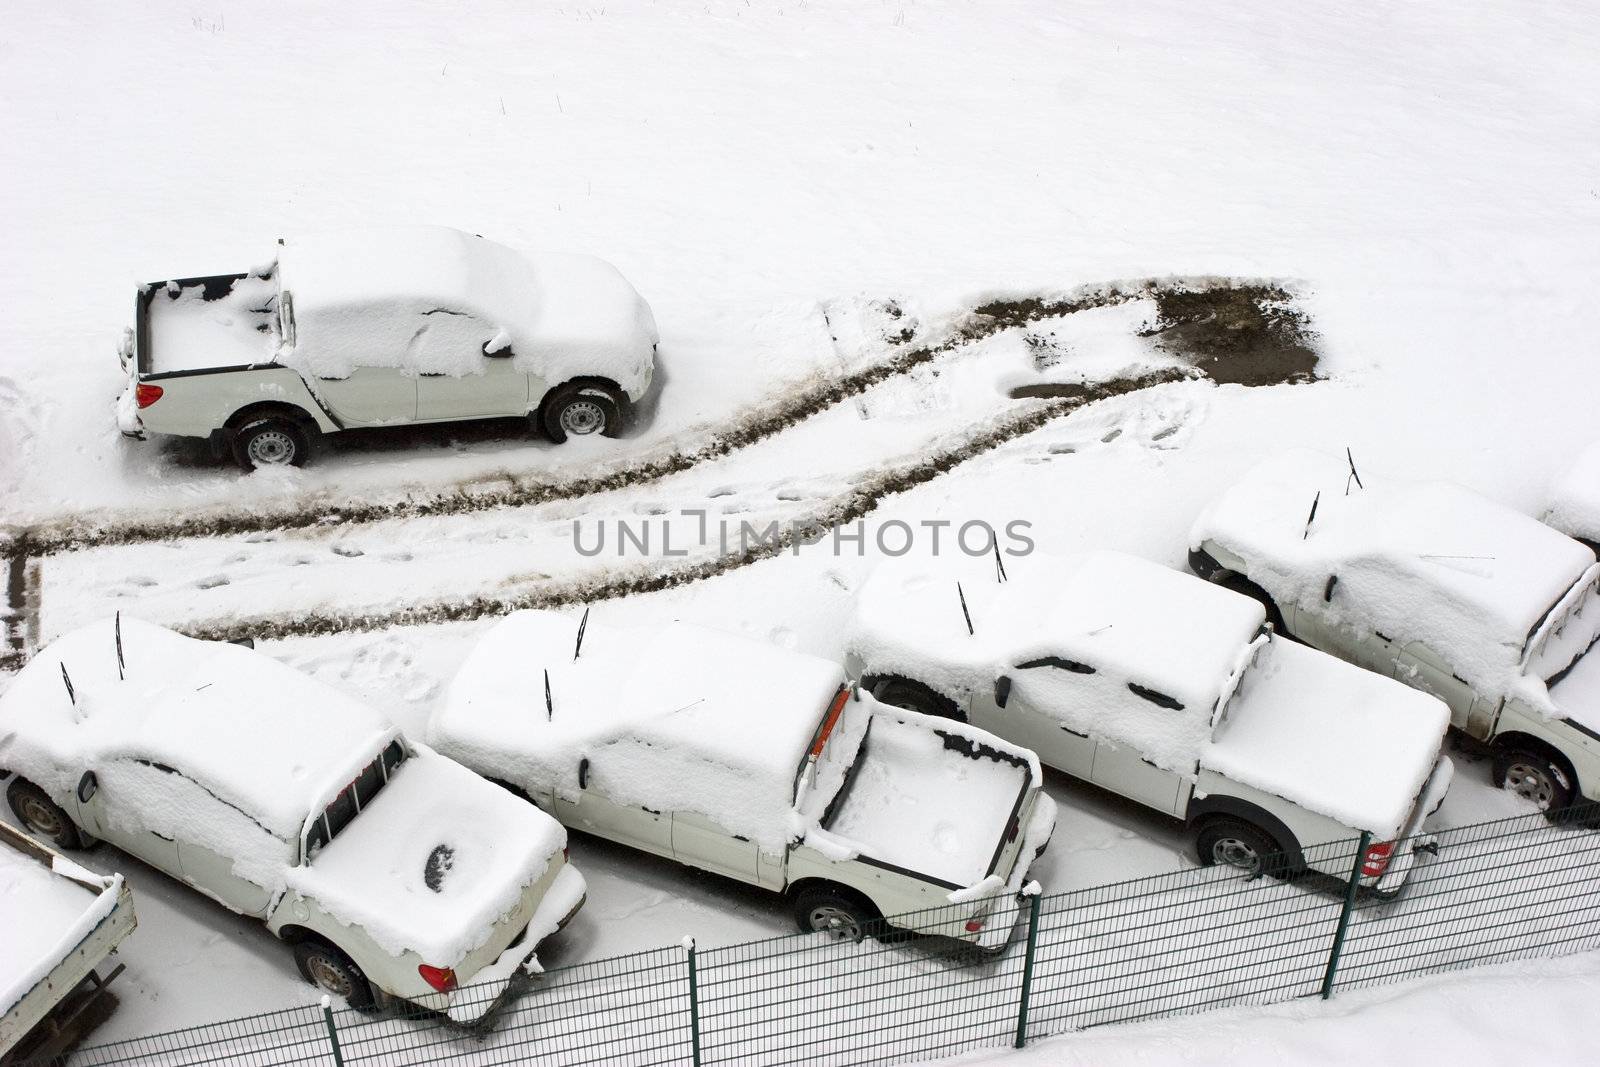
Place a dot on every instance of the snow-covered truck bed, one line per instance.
(58, 923)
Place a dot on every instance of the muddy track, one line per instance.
(855, 503)
(1234, 331)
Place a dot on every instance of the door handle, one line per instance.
(1075, 733)
(164, 837)
(652, 811)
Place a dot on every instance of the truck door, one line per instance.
(1419, 668)
(699, 842)
(1027, 718)
(497, 389)
(1121, 769)
(114, 809)
(370, 396)
(627, 824)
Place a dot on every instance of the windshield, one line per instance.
(353, 798)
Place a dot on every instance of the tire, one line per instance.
(839, 913)
(43, 817)
(1540, 779)
(1240, 584)
(581, 410)
(273, 441)
(333, 972)
(1236, 843)
(901, 692)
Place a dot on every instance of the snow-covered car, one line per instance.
(1433, 585)
(393, 871)
(58, 924)
(757, 763)
(385, 328)
(1174, 693)
(1574, 507)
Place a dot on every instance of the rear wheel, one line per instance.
(1236, 843)
(835, 912)
(582, 410)
(43, 817)
(913, 696)
(333, 972)
(273, 441)
(1535, 778)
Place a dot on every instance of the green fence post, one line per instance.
(1344, 914)
(694, 1003)
(1032, 892)
(333, 1032)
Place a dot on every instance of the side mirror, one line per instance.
(1327, 590)
(88, 785)
(583, 773)
(1002, 690)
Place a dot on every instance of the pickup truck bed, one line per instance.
(191, 324)
(58, 922)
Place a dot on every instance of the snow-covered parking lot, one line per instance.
(817, 198)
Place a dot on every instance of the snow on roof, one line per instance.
(1575, 497)
(483, 844)
(1334, 738)
(1132, 622)
(1419, 561)
(684, 718)
(256, 733)
(432, 299)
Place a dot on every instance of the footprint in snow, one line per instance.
(347, 551)
(212, 581)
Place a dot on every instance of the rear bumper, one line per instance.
(1413, 839)
(1000, 922)
(499, 981)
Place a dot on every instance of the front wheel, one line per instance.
(43, 817)
(333, 972)
(270, 442)
(582, 410)
(1534, 778)
(1235, 843)
(901, 692)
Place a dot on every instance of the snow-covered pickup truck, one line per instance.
(58, 922)
(384, 328)
(757, 763)
(1152, 684)
(1433, 585)
(393, 871)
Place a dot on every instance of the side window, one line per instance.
(341, 811)
(393, 756)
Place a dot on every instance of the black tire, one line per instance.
(1236, 843)
(1240, 584)
(1537, 778)
(836, 911)
(581, 409)
(901, 692)
(271, 441)
(333, 972)
(43, 817)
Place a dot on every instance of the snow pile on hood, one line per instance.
(429, 299)
(683, 719)
(434, 862)
(1109, 644)
(1335, 739)
(192, 723)
(1419, 561)
(1575, 497)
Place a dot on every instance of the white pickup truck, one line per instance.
(58, 924)
(756, 763)
(1488, 609)
(393, 871)
(1150, 683)
(384, 328)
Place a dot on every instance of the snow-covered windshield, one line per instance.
(353, 798)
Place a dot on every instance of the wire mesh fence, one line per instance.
(1189, 941)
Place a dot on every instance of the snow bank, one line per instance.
(483, 845)
(428, 299)
(267, 741)
(1575, 497)
(1105, 642)
(1418, 561)
(1329, 736)
(685, 718)
(43, 917)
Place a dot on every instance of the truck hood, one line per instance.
(436, 864)
(1335, 739)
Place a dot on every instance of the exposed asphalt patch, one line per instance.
(1233, 331)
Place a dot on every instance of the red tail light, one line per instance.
(441, 978)
(145, 395)
(974, 925)
(1376, 861)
